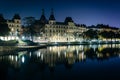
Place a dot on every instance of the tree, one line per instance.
(4, 29)
(29, 23)
(91, 34)
(111, 35)
(2, 20)
(103, 34)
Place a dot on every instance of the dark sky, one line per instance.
(82, 11)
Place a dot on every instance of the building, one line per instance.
(53, 31)
(15, 26)
(49, 30)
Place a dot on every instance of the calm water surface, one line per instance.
(79, 62)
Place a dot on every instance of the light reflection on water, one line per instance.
(59, 62)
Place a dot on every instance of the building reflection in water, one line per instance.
(67, 55)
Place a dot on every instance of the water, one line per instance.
(78, 62)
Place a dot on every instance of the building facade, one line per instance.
(14, 25)
(53, 31)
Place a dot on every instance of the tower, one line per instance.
(52, 18)
(43, 19)
(17, 22)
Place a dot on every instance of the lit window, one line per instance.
(12, 29)
(23, 59)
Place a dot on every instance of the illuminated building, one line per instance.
(53, 31)
(14, 25)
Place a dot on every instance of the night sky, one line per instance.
(82, 11)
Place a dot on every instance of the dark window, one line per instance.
(50, 31)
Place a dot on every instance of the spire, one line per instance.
(42, 11)
(43, 19)
(52, 15)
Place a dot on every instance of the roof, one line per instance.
(10, 20)
(51, 17)
(43, 19)
(16, 16)
(60, 23)
(68, 19)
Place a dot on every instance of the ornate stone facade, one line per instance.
(14, 25)
(53, 31)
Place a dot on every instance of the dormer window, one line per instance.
(17, 21)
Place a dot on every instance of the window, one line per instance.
(17, 30)
(50, 31)
(12, 29)
(17, 21)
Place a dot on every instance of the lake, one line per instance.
(72, 62)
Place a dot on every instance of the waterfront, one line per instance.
(62, 62)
